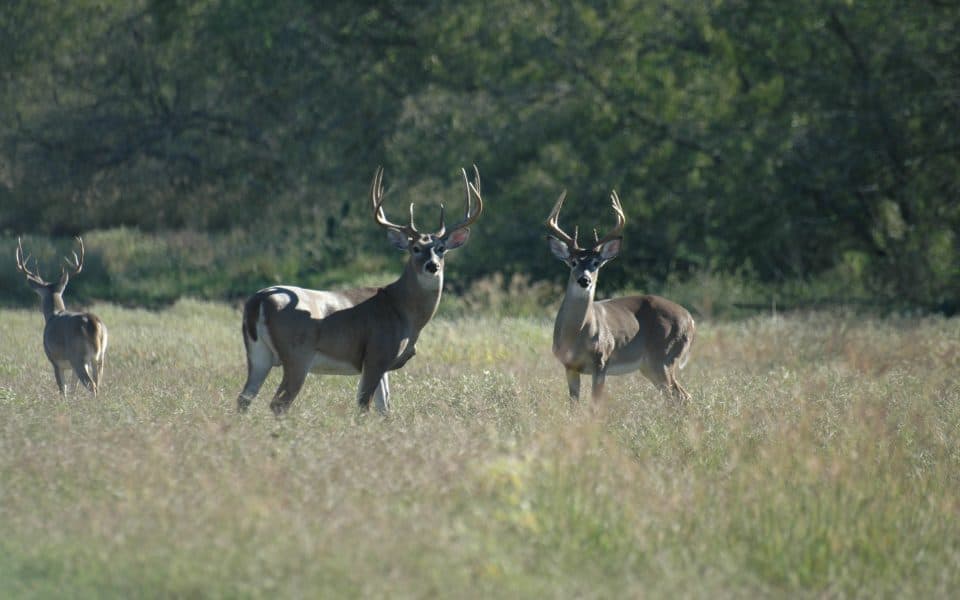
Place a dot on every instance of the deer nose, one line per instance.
(432, 267)
(584, 281)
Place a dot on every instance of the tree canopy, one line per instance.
(786, 140)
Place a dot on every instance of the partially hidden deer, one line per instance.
(74, 342)
(616, 336)
(365, 331)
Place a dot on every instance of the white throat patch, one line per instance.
(574, 289)
(430, 281)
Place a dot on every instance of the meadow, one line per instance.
(819, 457)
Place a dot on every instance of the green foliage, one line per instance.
(741, 134)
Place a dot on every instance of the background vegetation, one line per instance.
(817, 459)
(767, 153)
(810, 150)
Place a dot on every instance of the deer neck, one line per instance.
(575, 315)
(416, 296)
(51, 305)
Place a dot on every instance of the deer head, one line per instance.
(427, 250)
(41, 286)
(585, 263)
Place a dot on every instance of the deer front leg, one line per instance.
(294, 375)
(404, 357)
(373, 380)
(61, 384)
(381, 397)
(573, 384)
(599, 380)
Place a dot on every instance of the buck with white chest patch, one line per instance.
(74, 342)
(617, 336)
(365, 331)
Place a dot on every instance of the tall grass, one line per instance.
(818, 457)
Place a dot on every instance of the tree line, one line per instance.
(781, 141)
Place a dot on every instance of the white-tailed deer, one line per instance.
(73, 341)
(366, 331)
(616, 336)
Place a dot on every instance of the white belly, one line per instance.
(323, 365)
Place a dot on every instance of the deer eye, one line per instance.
(416, 249)
(439, 249)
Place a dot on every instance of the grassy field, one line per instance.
(819, 457)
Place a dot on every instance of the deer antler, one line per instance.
(621, 220)
(77, 264)
(469, 215)
(376, 198)
(560, 234)
(22, 265)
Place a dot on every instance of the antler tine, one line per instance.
(474, 187)
(77, 264)
(23, 264)
(443, 226)
(376, 190)
(621, 219)
(376, 198)
(560, 234)
(19, 256)
(470, 215)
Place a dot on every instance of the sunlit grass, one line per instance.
(818, 458)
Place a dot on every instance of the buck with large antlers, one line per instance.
(616, 336)
(365, 331)
(74, 341)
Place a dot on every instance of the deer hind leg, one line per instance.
(84, 372)
(665, 378)
(61, 383)
(294, 374)
(573, 384)
(101, 358)
(259, 362)
(98, 369)
(676, 361)
(676, 389)
(658, 374)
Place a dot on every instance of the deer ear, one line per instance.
(457, 238)
(559, 249)
(609, 250)
(398, 239)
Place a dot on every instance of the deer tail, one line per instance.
(251, 311)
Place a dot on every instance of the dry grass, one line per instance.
(819, 457)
